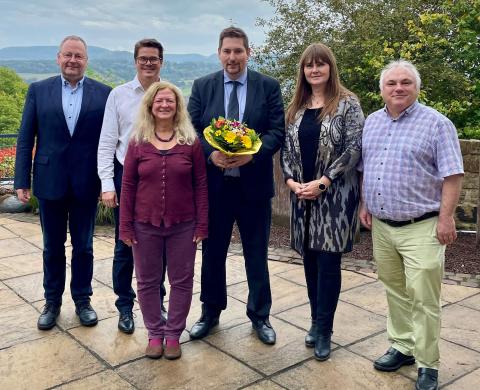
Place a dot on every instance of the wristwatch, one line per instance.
(322, 187)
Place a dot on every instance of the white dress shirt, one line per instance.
(120, 115)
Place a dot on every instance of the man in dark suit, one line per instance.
(241, 187)
(62, 118)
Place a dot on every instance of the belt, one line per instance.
(423, 217)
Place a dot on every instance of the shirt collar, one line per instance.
(405, 112)
(242, 79)
(137, 85)
(66, 83)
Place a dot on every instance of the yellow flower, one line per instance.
(230, 137)
(218, 132)
(246, 141)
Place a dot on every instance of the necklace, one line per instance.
(163, 139)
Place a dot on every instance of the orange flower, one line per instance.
(219, 123)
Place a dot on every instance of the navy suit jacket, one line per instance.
(263, 113)
(62, 161)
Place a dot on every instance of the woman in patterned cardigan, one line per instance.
(322, 148)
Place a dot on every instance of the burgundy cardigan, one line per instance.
(164, 188)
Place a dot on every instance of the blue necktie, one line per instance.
(233, 107)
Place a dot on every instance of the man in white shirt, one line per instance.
(118, 121)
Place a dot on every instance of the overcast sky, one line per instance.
(182, 26)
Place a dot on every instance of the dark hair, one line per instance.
(233, 32)
(148, 42)
(334, 91)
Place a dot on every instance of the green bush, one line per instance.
(469, 132)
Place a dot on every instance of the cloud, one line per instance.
(184, 26)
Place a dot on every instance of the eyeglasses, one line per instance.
(70, 56)
(152, 60)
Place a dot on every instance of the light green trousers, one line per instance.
(410, 263)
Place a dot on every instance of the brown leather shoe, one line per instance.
(154, 351)
(172, 351)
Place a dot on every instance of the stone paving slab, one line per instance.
(105, 380)
(16, 246)
(20, 265)
(241, 342)
(201, 367)
(461, 325)
(370, 295)
(110, 344)
(344, 370)
(44, 363)
(468, 382)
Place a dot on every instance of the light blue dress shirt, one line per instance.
(72, 102)
(242, 99)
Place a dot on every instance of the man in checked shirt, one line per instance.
(412, 176)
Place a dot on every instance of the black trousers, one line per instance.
(324, 281)
(80, 216)
(253, 219)
(122, 269)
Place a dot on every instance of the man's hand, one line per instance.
(219, 159)
(238, 161)
(446, 232)
(109, 199)
(365, 217)
(23, 195)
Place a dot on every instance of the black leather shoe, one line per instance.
(322, 346)
(164, 313)
(126, 323)
(202, 327)
(311, 335)
(265, 332)
(393, 360)
(87, 315)
(48, 318)
(427, 379)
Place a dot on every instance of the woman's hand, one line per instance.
(294, 186)
(311, 191)
(198, 239)
(130, 242)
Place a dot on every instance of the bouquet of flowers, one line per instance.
(232, 137)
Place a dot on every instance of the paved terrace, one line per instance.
(74, 357)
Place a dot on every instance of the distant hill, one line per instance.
(34, 63)
(35, 53)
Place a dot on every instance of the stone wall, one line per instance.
(466, 214)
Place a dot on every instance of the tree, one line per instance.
(440, 36)
(12, 97)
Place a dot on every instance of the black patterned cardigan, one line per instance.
(334, 214)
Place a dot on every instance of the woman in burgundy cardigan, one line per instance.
(164, 205)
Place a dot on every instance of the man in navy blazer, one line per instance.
(240, 188)
(62, 119)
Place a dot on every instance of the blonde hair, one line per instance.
(334, 91)
(144, 129)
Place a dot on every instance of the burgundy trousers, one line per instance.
(180, 253)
